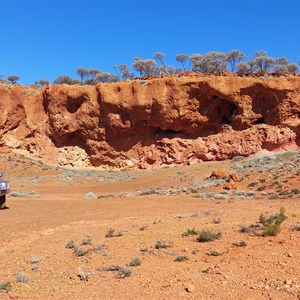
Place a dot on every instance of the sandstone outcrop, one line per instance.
(219, 173)
(145, 123)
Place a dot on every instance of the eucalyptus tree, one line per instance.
(93, 72)
(182, 58)
(65, 79)
(106, 77)
(13, 78)
(83, 73)
(145, 67)
(211, 62)
(123, 72)
(41, 82)
(234, 57)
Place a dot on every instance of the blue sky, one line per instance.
(47, 38)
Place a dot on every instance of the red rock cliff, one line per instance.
(171, 120)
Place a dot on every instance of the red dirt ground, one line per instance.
(267, 268)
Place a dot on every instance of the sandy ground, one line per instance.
(34, 232)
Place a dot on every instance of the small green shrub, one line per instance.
(148, 192)
(208, 236)
(162, 245)
(245, 229)
(189, 232)
(124, 272)
(261, 188)
(70, 244)
(252, 184)
(181, 258)
(113, 233)
(271, 230)
(5, 286)
(206, 271)
(271, 225)
(214, 253)
(135, 262)
(197, 196)
(79, 251)
(240, 244)
(87, 241)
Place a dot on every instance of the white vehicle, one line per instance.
(4, 189)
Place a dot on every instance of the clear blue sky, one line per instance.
(47, 38)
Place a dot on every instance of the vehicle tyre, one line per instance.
(2, 202)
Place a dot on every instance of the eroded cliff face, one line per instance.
(147, 123)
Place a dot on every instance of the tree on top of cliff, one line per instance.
(82, 72)
(145, 67)
(173, 70)
(182, 58)
(234, 57)
(123, 72)
(262, 63)
(210, 62)
(65, 79)
(93, 72)
(243, 67)
(159, 57)
(41, 82)
(106, 77)
(293, 68)
(13, 78)
(283, 65)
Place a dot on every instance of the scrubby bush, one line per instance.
(124, 272)
(70, 244)
(135, 262)
(239, 244)
(162, 245)
(271, 226)
(189, 232)
(181, 258)
(208, 236)
(214, 253)
(87, 241)
(5, 286)
(79, 251)
(113, 233)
